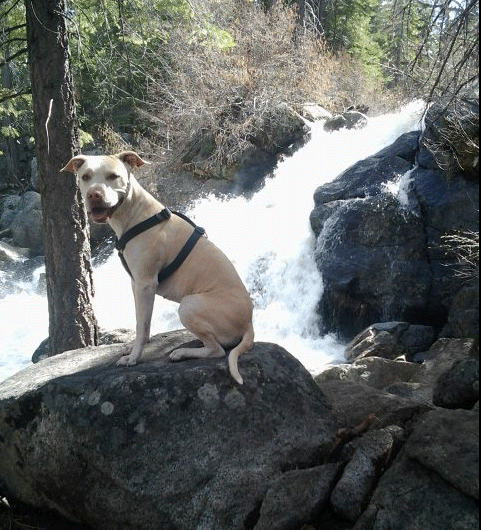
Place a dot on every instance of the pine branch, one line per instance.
(16, 95)
(14, 56)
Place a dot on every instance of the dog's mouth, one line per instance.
(101, 214)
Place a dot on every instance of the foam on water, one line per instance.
(268, 238)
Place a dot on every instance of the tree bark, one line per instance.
(72, 323)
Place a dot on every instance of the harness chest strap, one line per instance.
(156, 219)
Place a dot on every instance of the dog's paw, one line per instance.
(126, 360)
(176, 355)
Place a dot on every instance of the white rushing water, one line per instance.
(268, 238)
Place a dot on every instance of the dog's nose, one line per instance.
(94, 195)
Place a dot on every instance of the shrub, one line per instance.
(220, 88)
(464, 246)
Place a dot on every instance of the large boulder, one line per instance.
(159, 445)
(379, 229)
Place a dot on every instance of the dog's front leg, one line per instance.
(144, 296)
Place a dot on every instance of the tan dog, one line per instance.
(214, 304)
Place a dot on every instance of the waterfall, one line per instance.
(268, 238)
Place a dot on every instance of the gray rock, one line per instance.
(42, 351)
(355, 403)
(296, 498)
(452, 128)
(116, 336)
(463, 316)
(378, 341)
(447, 442)
(352, 492)
(404, 147)
(27, 228)
(364, 179)
(391, 340)
(280, 128)
(416, 392)
(449, 203)
(314, 112)
(370, 260)
(158, 445)
(10, 255)
(335, 123)
(417, 339)
(9, 210)
(410, 497)
(373, 371)
(441, 357)
(338, 372)
(350, 119)
(459, 386)
(355, 119)
(434, 482)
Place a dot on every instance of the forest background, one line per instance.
(153, 74)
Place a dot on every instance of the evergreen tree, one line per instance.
(72, 323)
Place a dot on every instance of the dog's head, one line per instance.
(104, 181)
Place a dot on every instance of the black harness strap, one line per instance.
(142, 227)
(156, 219)
(182, 255)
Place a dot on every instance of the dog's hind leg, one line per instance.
(191, 316)
(211, 349)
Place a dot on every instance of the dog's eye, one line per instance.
(112, 176)
(86, 177)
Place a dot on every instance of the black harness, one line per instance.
(156, 219)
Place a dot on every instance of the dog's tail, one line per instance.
(244, 346)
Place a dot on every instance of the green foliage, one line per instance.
(351, 25)
(15, 103)
(125, 54)
(85, 138)
(112, 54)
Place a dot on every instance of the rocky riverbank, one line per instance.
(178, 446)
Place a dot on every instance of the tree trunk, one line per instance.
(301, 20)
(72, 323)
(9, 146)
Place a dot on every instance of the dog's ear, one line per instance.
(74, 164)
(131, 158)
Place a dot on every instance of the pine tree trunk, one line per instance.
(72, 323)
